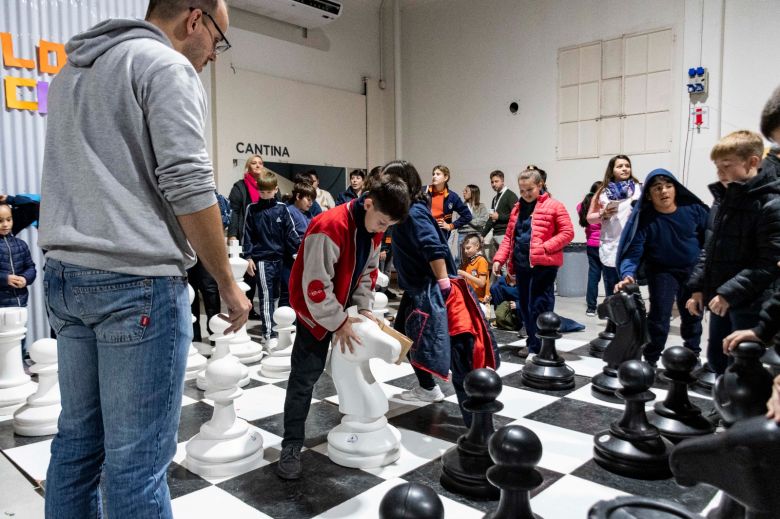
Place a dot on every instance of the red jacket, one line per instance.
(322, 273)
(551, 231)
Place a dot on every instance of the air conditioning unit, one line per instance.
(303, 13)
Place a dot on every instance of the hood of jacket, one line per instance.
(85, 48)
(768, 179)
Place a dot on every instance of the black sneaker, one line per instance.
(289, 465)
(522, 352)
(391, 296)
(254, 316)
(521, 333)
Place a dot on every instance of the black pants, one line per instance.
(460, 364)
(307, 363)
(203, 284)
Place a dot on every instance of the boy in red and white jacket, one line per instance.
(335, 269)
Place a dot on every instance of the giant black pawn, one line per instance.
(464, 467)
(676, 417)
(516, 452)
(742, 391)
(600, 343)
(706, 377)
(628, 507)
(548, 370)
(411, 501)
(632, 447)
(772, 359)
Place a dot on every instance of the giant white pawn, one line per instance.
(364, 438)
(38, 417)
(15, 384)
(380, 306)
(277, 363)
(244, 348)
(222, 349)
(226, 445)
(195, 361)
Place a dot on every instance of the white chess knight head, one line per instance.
(12, 318)
(374, 344)
(382, 280)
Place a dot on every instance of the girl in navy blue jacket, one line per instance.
(442, 202)
(17, 269)
(666, 232)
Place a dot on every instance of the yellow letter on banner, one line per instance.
(44, 48)
(11, 100)
(8, 53)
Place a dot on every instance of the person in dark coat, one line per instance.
(17, 270)
(665, 232)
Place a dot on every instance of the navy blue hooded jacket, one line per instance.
(269, 232)
(664, 241)
(15, 259)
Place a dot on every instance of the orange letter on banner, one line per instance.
(11, 101)
(8, 53)
(44, 48)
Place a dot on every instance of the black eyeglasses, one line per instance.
(222, 45)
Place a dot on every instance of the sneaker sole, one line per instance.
(415, 399)
(287, 475)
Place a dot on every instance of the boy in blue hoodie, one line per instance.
(666, 232)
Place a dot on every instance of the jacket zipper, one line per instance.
(13, 270)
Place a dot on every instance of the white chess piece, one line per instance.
(15, 384)
(277, 363)
(364, 438)
(195, 361)
(226, 445)
(380, 306)
(221, 350)
(382, 280)
(38, 417)
(241, 344)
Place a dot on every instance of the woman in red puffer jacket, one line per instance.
(538, 230)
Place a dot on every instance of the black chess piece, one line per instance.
(548, 370)
(411, 501)
(628, 507)
(706, 377)
(772, 359)
(464, 466)
(626, 311)
(676, 417)
(516, 452)
(633, 447)
(600, 343)
(742, 391)
(741, 461)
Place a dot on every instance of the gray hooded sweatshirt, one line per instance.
(125, 153)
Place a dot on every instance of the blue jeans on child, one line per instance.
(594, 276)
(122, 343)
(611, 278)
(719, 328)
(666, 287)
(536, 289)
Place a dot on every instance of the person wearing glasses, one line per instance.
(127, 203)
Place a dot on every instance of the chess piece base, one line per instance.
(544, 374)
(225, 458)
(275, 367)
(466, 474)
(204, 349)
(358, 449)
(12, 398)
(680, 428)
(636, 506)
(604, 385)
(600, 343)
(648, 459)
(36, 421)
(706, 377)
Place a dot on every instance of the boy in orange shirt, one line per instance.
(475, 269)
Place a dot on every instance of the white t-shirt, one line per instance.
(613, 226)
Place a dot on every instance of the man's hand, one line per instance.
(345, 336)
(731, 341)
(250, 268)
(16, 281)
(628, 280)
(496, 268)
(718, 305)
(237, 304)
(773, 405)
(695, 305)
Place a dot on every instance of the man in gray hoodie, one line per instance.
(127, 202)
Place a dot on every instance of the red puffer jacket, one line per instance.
(551, 231)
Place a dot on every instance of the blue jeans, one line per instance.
(611, 278)
(536, 291)
(719, 328)
(665, 288)
(122, 342)
(594, 276)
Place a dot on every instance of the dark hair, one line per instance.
(312, 173)
(167, 9)
(373, 176)
(770, 115)
(470, 236)
(301, 177)
(585, 204)
(358, 173)
(391, 197)
(408, 174)
(497, 173)
(474, 190)
(609, 175)
(302, 190)
(444, 169)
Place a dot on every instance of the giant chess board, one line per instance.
(565, 422)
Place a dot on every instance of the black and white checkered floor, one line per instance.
(564, 421)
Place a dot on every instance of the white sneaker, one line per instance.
(420, 394)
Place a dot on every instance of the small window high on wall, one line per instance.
(614, 96)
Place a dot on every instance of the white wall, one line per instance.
(464, 61)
